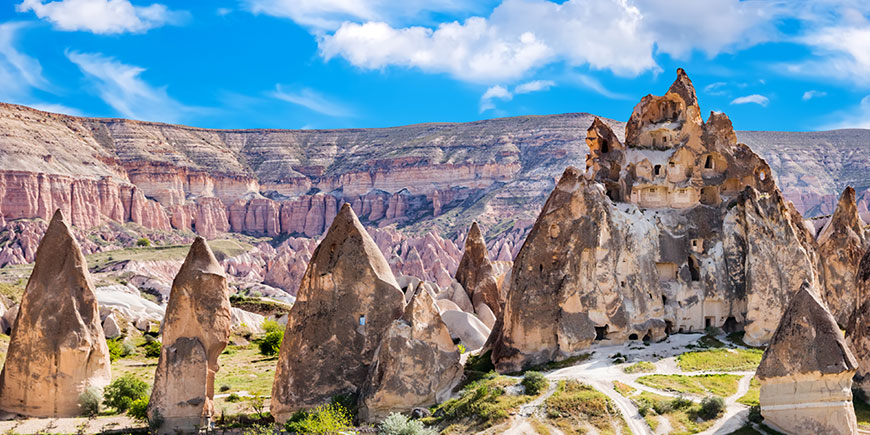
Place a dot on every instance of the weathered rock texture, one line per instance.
(858, 329)
(57, 349)
(676, 230)
(476, 273)
(346, 302)
(806, 372)
(842, 242)
(196, 329)
(416, 365)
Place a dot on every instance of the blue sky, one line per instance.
(770, 65)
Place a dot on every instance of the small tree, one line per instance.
(143, 241)
(711, 407)
(534, 383)
(139, 409)
(122, 392)
(271, 343)
(152, 349)
(270, 325)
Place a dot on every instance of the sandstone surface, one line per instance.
(806, 372)
(57, 349)
(476, 273)
(346, 302)
(467, 328)
(842, 242)
(858, 329)
(196, 329)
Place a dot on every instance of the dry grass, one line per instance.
(718, 385)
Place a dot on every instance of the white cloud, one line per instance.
(534, 86)
(717, 88)
(330, 14)
(809, 95)
(122, 87)
(857, 117)
(102, 16)
(312, 100)
(57, 108)
(18, 72)
(761, 100)
(841, 52)
(492, 93)
(224, 11)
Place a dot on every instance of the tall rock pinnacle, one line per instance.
(57, 349)
(476, 274)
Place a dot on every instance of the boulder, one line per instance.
(8, 319)
(456, 294)
(347, 300)
(476, 274)
(110, 327)
(57, 349)
(806, 371)
(446, 305)
(196, 329)
(858, 329)
(416, 365)
(467, 328)
(485, 315)
(246, 322)
(841, 245)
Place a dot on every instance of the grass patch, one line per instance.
(751, 396)
(729, 360)
(682, 414)
(481, 404)
(260, 306)
(623, 389)
(862, 411)
(718, 385)
(640, 367)
(575, 405)
(13, 290)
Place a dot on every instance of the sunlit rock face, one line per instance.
(347, 300)
(678, 229)
(858, 330)
(806, 372)
(57, 349)
(196, 329)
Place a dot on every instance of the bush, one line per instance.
(325, 419)
(233, 398)
(152, 349)
(139, 409)
(122, 392)
(534, 383)
(143, 242)
(461, 348)
(224, 388)
(271, 343)
(89, 402)
(398, 424)
(270, 325)
(711, 407)
(118, 349)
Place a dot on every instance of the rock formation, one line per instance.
(196, 329)
(346, 302)
(467, 328)
(678, 229)
(858, 329)
(806, 372)
(57, 349)
(476, 274)
(416, 365)
(841, 245)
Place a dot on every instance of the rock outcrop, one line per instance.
(57, 349)
(476, 274)
(858, 329)
(346, 302)
(678, 229)
(196, 329)
(416, 365)
(806, 372)
(842, 242)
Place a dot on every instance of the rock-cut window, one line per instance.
(362, 320)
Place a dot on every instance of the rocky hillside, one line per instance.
(271, 182)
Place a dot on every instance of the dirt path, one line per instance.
(736, 414)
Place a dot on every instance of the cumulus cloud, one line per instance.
(312, 100)
(499, 92)
(761, 100)
(122, 88)
(841, 52)
(809, 95)
(102, 16)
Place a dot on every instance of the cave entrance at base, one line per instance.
(648, 337)
(669, 327)
(708, 321)
(632, 337)
(731, 325)
(601, 333)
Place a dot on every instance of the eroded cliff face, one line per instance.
(679, 229)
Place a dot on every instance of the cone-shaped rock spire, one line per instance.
(841, 245)
(347, 300)
(57, 349)
(806, 372)
(858, 330)
(196, 329)
(476, 274)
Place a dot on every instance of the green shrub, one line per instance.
(325, 419)
(271, 343)
(224, 388)
(398, 424)
(270, 325)
(122, 392)
(640, 367)
(143, 242)
(233, 398)
(711, 407)
(260, 429)
(118, 349)
(461, 348)
(152, 349)
(534, 383)
(89, 402)
(139, 409)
